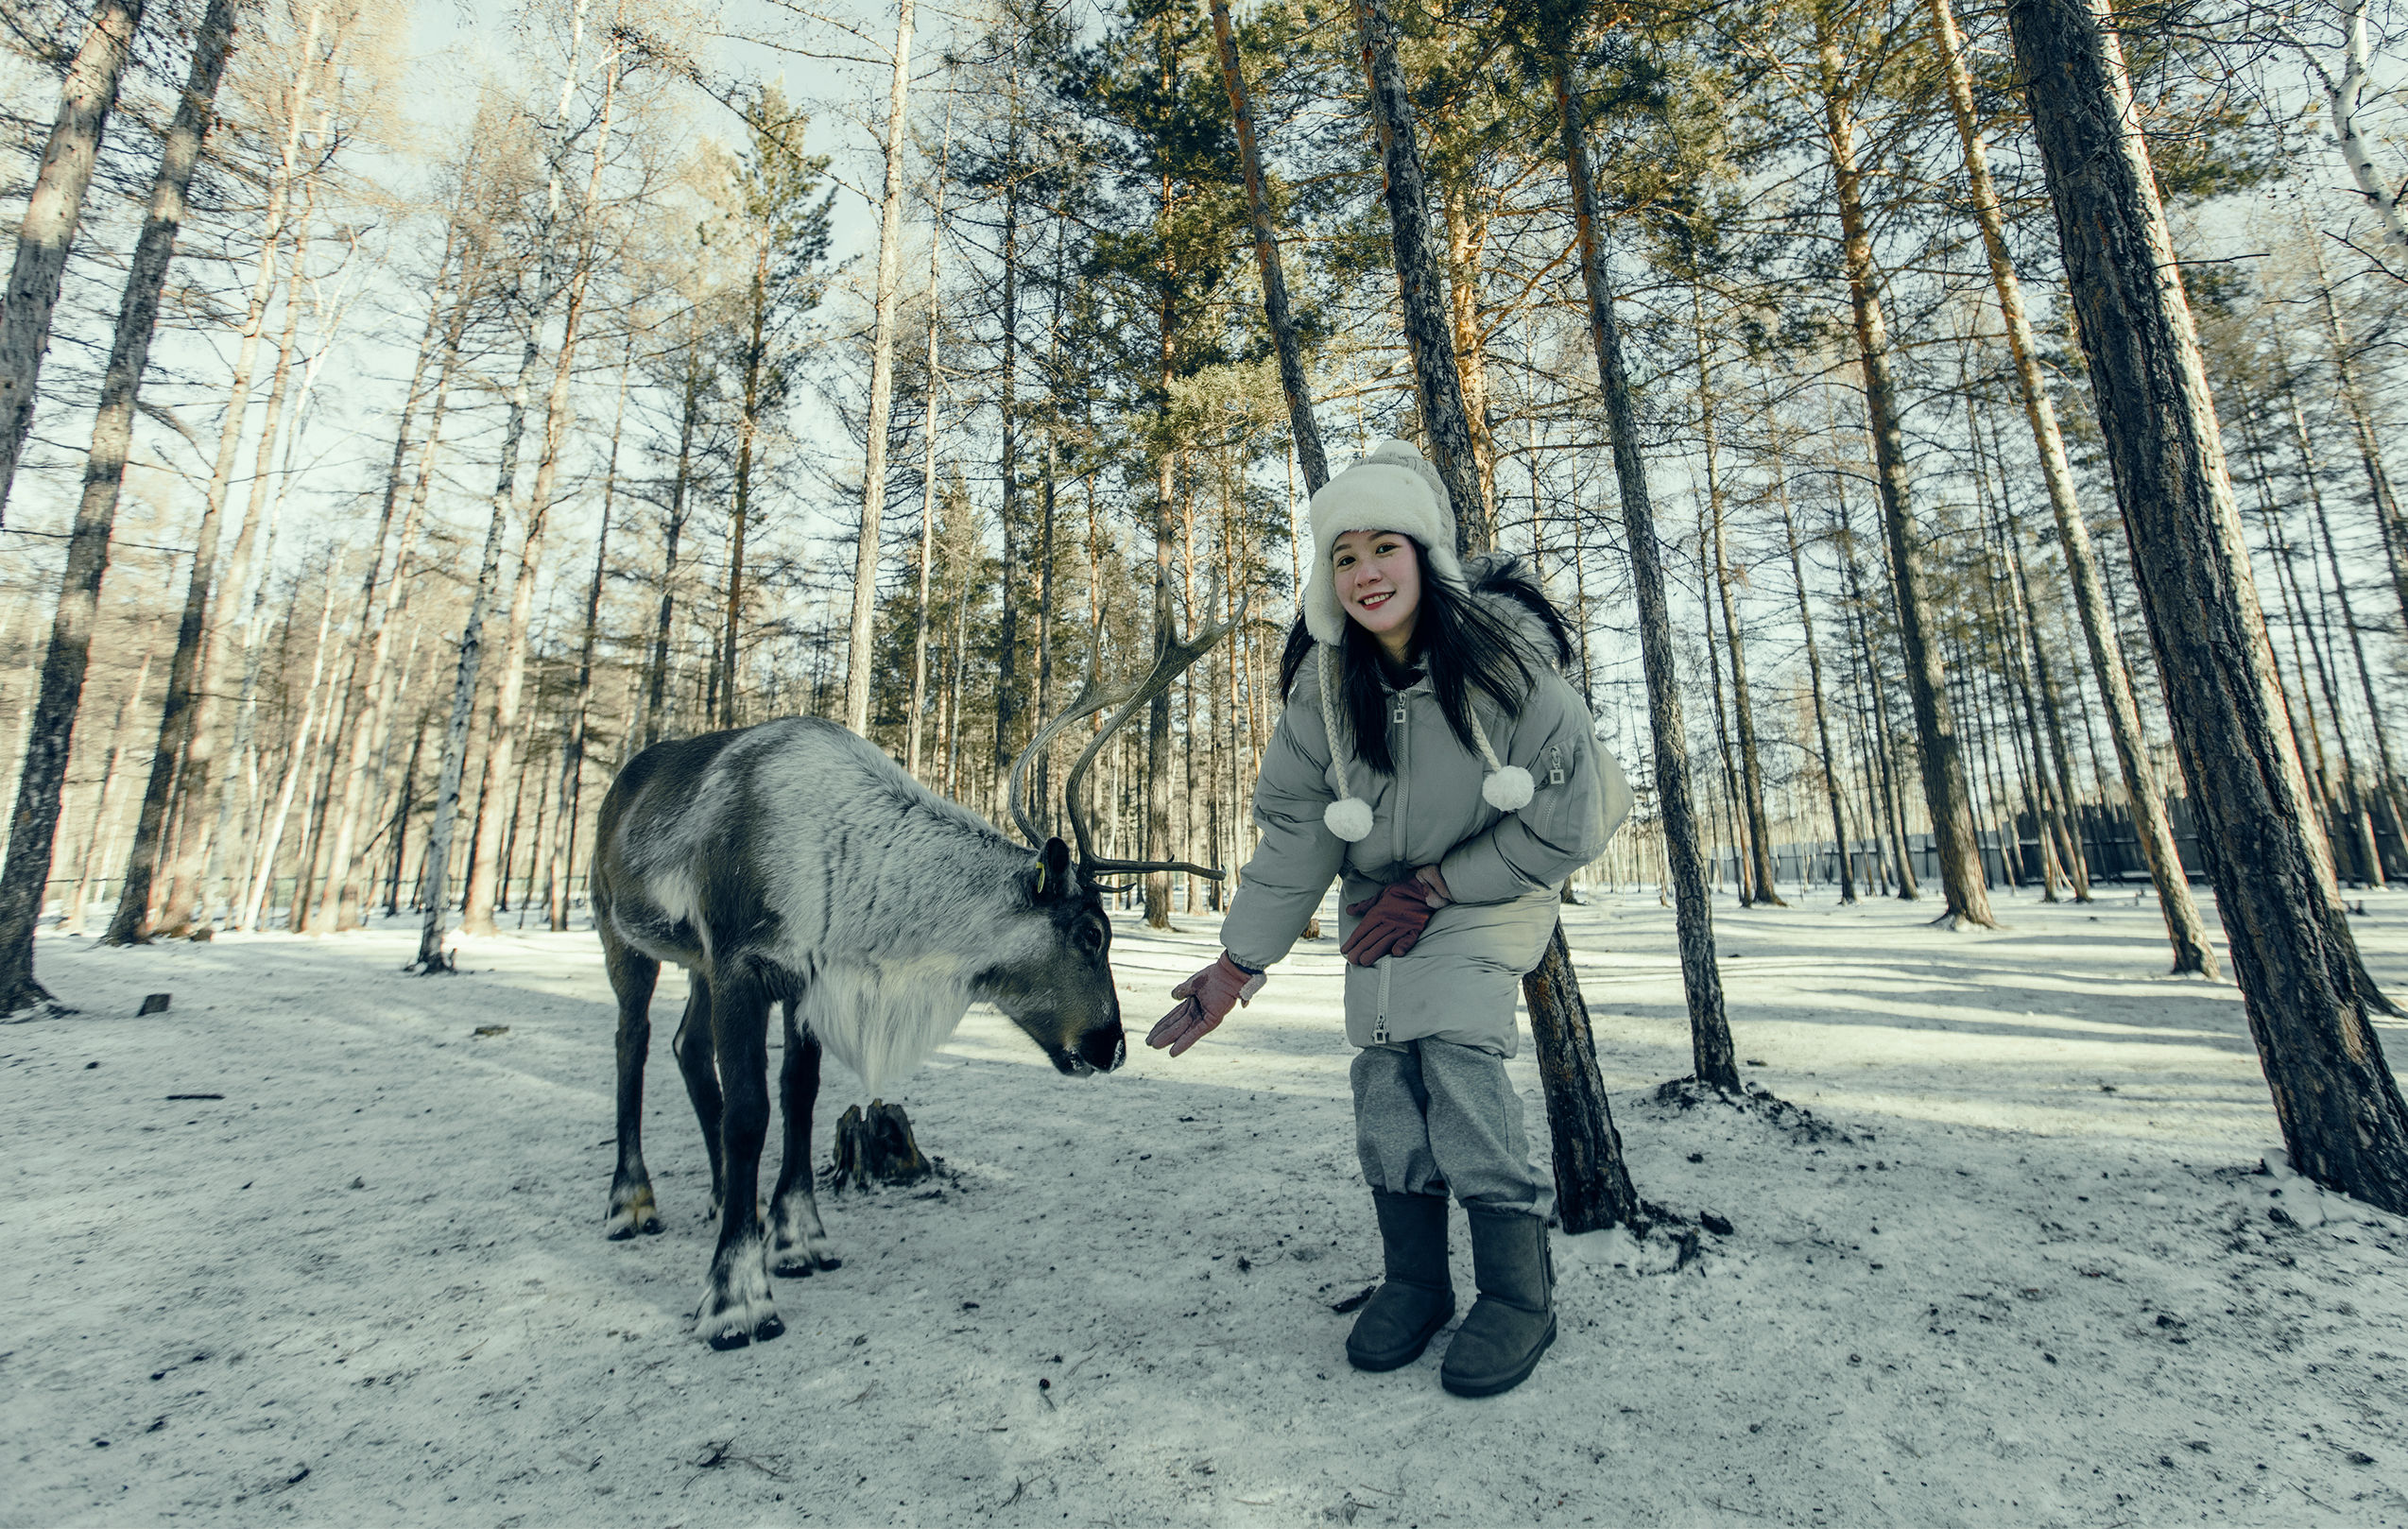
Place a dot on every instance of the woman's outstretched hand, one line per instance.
(1392, 922)
(1206, 999)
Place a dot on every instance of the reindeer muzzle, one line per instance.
(1099, 1050)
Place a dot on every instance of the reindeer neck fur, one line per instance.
(879, 902)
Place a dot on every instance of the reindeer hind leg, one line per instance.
(698, 1060)
(633, 977)
(799, 1242)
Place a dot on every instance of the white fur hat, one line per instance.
(1390, 489)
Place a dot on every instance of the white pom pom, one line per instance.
(1350, 819)
(1508, 789)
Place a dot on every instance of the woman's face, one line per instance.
(1377, 574)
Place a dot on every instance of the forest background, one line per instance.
(530, 387)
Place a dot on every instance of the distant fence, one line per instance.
(2110, 848)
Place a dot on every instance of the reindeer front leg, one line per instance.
(799, 1242)
(737, 1304)
(632, 976)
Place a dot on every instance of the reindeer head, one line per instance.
(1065, 999)
(1060, 991)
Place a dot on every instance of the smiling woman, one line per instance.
(1435, 693)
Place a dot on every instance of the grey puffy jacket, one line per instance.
(1459, 981)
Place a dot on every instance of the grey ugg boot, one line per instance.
(1514, 1319)
(1417, 1298)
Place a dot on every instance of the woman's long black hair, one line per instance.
(1462, 642)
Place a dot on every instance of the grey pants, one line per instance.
(1432, 1116)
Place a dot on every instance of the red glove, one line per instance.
(1207, 999)
(1392, 922)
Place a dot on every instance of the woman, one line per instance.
(1433, 754)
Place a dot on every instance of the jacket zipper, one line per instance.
(1398, 735)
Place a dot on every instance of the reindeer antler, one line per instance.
(1169, 665)
(1090, 700)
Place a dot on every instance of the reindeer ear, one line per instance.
(1051, 874)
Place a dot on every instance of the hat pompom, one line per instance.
(1508, 789)
(1349, 817)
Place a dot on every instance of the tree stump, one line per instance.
(876, 1148)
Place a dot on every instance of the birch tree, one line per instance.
(2343, 71)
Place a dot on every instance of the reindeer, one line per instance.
(794, 862)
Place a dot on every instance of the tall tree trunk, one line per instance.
(432, 957)
(1157, 830)
(2362, 426)
(1743, 864)
(200, 786)
(132, 922)
(1428, 328)
(1715, 1059)
(52, 212)
(296, 769)
(382, 597)
(1815, 684)
(2343, 1118)
(487, 861)
(2005, 640)
(1893, 804)
(2186, 931)
(928, 452)
(2342, 97)
(562, 852)
(2041, 686)
(2351, 802)
(1467, 244)
(882, 386)
(1284, 343)
(33, 825)
(104, 797)
(1007, 426)
(689, 414)
(1944, 785)
(721, 709)
(1751, 783)
(2388, 780)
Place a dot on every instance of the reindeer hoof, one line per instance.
(634, 1213)
(739, 1339)
(738, 1306)
(801, 1262)
(799, 1244)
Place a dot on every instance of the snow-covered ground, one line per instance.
(2031, 1273)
